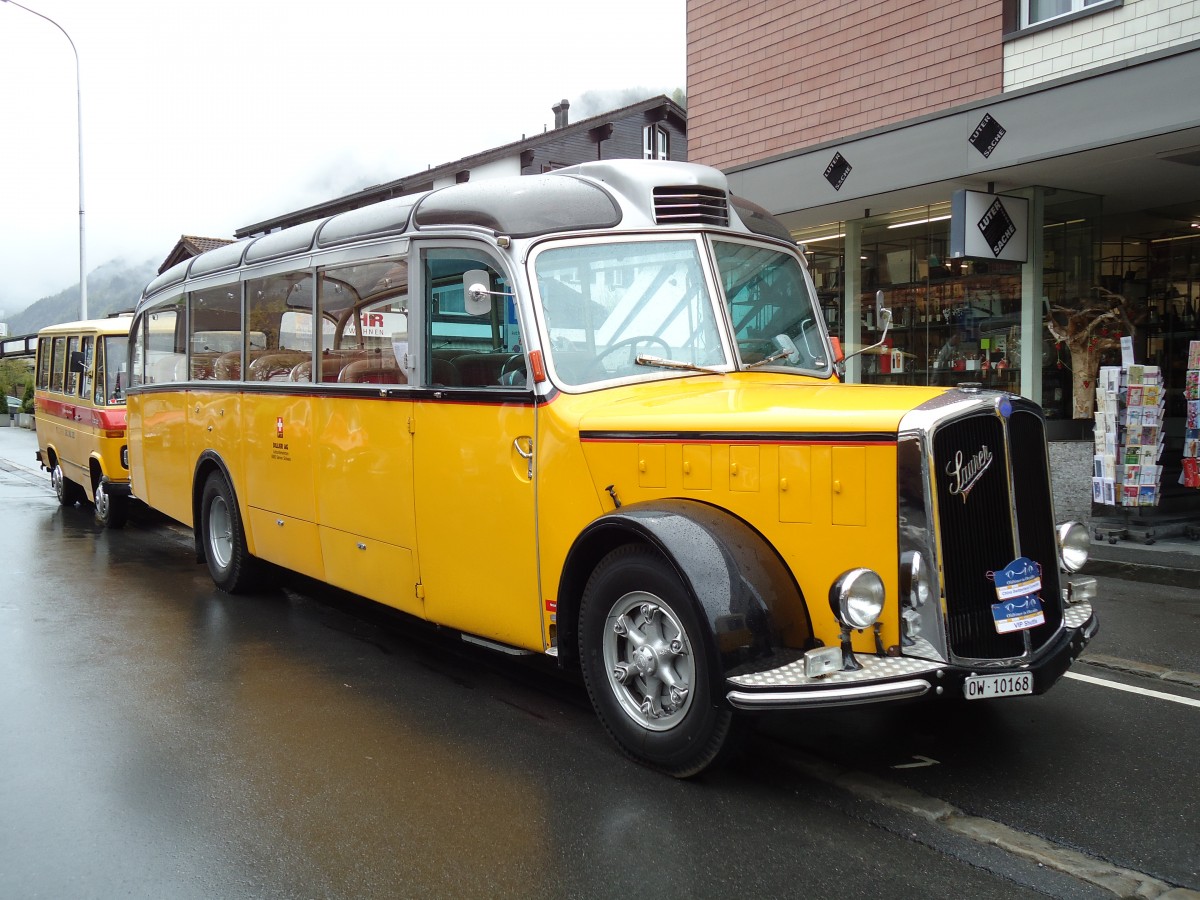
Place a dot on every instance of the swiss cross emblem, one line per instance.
(279, 426)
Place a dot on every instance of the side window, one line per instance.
(58, 363)
(166, 359)
(279, 326)
(73, 359)
(215, 334)
(469, 344)
(111, 378)
(43, 363)
(85, 377)
(363, 309)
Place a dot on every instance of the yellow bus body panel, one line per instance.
(795, 459)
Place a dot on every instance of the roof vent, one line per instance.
(690, 205)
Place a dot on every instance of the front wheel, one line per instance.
(232, 567)
(645, 665)
(111, 511)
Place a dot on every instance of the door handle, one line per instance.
(525, 452)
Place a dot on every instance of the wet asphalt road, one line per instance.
(161, 739)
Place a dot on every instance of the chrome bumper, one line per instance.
(782, 684)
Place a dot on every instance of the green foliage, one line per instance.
(16, 380)
(27, 400)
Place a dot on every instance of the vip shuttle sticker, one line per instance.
(1017, 586)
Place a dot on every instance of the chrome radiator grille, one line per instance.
(985, 521)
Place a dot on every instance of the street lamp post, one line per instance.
(83, 304)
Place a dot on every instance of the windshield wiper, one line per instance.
(659, 363)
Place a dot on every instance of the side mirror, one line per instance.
(883, 315)
(77, 362)
(476, 296)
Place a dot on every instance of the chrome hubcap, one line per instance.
(649, 660)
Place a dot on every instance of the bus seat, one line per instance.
(481, 369)
(445, 373)
(372, 371)
(202, 365)
(228, 366)
(275, 366)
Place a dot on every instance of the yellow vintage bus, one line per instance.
(595, 414)
(79, 414)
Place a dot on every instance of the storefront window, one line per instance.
(953, 320)
(957, 320)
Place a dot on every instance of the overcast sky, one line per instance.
(199, 118)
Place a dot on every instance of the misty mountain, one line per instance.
(113, 287)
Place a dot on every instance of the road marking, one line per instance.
(922, 762)
(1117, 686)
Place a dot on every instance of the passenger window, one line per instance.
(72, 365)
(85, 377)
(216, 334)
(43, 363)
(279, 322)
(58, 364)
(363, 309)
(165, 357)
(468, 345)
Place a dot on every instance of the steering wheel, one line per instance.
(513, 370)
(595, 369)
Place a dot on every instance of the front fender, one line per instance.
(742, 588)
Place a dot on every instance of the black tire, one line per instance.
(112, 511)
(68, 492)
(232, 567)
(632, 683)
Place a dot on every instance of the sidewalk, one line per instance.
(1173, 560)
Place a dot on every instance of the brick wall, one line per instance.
(769, 76)
(1136, 28)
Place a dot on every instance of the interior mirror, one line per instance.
(787, 346)
(476, 296)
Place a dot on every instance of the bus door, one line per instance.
(473, 449)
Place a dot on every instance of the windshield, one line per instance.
(604, 305)
(771, 307)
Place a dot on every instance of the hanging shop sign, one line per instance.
(989, 226)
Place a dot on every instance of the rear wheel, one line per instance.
(646, 667)
(232, 567)
(68, 492)
(111, 511)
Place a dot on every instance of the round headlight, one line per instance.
(1073, 545)
(857, 598)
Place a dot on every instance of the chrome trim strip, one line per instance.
(847, 696)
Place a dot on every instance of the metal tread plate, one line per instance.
(787, 670)
(1075, 615)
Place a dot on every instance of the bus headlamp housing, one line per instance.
(1074, 542)
(916, 580)
(856, 598)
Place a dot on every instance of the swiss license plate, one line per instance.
(983, 687)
